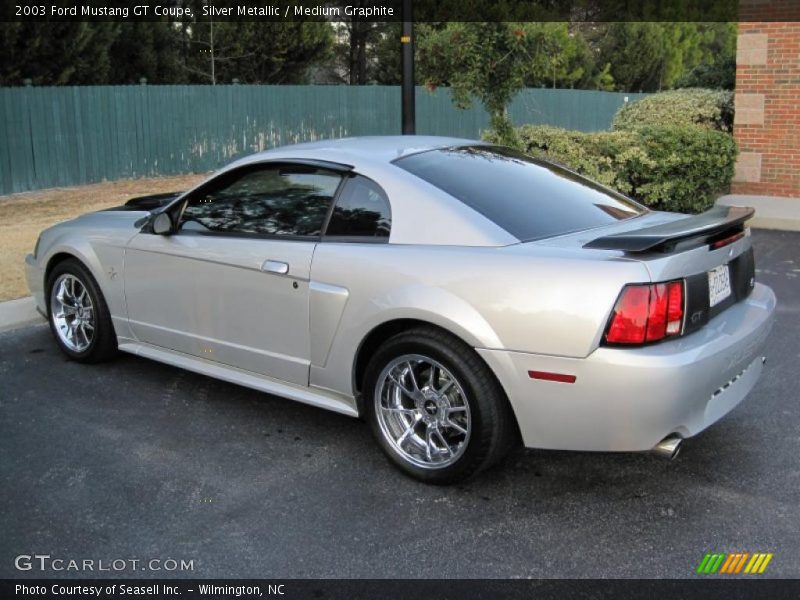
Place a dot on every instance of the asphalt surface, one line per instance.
(137, 460)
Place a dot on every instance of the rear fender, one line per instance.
(426, 304)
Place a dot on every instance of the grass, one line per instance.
(23, 216)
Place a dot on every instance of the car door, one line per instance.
(231, 283)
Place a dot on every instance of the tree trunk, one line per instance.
(362, 59)
(351, 57)
(502, 127)
(357, 57)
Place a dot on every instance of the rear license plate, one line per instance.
(719, 285)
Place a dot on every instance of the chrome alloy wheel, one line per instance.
(72, 312)
(422, 411)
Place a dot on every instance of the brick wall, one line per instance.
(767, 122)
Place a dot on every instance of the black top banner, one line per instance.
(391, 10)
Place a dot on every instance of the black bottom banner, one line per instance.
(410, 589)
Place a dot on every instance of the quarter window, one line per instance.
(362, 211)
(289, 200)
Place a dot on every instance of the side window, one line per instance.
(362, 210)
(271, 200)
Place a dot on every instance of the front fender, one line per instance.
(100, 246)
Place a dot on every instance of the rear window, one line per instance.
(530, 199)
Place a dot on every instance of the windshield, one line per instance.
(530, 199)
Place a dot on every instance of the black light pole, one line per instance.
(407, 42)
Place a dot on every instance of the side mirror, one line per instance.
(162, 224)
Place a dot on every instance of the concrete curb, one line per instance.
(771, 212)
(18, 313)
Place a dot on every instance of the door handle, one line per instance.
(275, 266)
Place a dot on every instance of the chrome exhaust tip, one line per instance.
(668, 448)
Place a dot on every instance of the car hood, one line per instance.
(146, 203)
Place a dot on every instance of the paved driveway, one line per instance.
(136, 460)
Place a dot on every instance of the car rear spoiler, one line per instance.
(710, 224)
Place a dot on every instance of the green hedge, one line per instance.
(712, 109)
(664, 167)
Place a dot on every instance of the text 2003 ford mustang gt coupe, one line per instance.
(458, 295)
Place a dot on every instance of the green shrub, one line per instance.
(664, 167)
(689, 167)
(595, 155)
(712, 109)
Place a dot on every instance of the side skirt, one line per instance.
(313, 396)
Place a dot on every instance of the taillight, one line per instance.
(629, 321)
(674, 307)
(647, 313)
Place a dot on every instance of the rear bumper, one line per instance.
(630, 399)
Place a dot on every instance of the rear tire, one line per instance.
(435, 407)
(78, 314)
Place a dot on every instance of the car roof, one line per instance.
(384, 148)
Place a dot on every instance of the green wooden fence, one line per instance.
(58, 136)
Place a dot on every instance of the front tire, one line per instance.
(78, 314)
(435, 408)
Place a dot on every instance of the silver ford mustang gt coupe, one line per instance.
(459, 296)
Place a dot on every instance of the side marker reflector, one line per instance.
(548, 376)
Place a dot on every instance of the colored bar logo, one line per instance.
(734, 563)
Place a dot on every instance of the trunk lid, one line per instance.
(712, 252)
